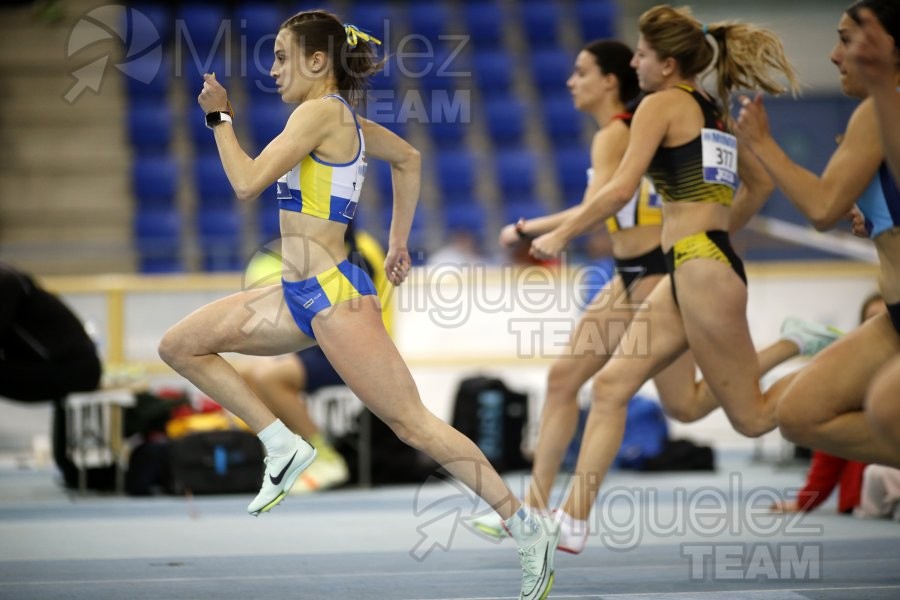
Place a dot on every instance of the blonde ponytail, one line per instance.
(748, 57)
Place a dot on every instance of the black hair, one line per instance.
(614, 58)
(887, 11)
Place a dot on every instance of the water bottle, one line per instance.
(490, 424)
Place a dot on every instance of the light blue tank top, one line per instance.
(880, 203)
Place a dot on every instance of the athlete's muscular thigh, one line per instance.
(835, 381)
(654, 339)
(255, 322)
(713, 302)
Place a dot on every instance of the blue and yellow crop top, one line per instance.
(644, 207)
(702, 170)
(880, 203)
(322, 189)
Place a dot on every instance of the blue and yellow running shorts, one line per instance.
(306, 299)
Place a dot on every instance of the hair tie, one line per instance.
(354, 34)
(704, 28)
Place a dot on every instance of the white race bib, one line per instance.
(282, 190)
(352, 204)
(720, 157)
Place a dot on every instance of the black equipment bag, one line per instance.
(217, 462)
(494, 417)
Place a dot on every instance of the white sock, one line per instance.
(571, 525)
(277, 438)
(523, 527)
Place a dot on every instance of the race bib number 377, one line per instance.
(719, 157)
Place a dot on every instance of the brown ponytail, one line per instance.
(321, 31)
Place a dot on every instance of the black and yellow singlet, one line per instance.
(702, 170)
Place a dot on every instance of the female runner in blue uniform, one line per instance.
(319, 162)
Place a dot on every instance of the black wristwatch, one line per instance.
(217, 117)
(520, 229)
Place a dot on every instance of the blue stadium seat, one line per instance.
(157, 235)
(202, 138)
(221, 257)
(192, 70)
(219, 223)
(147, 81)
(361, 219)
(465, 217)
(447, 134)
(515, 174)
(155, 182)
(211, 184)
(150, 128)
(550, 68)
(295, 6)
(445, 70)
(378, 177)
(562, 121)
(201, 30)
(540, 22)
(151, 226)
(260, 86)
(484, 24)
(265, 120)
(384, 107)
(505, 121)
(493, 72)
(159, 16)
(571, 172)
(256, 21)
(596, 18)
(387, 79)
(418, 236)
(428, 19)
(219, 231)
(455, 174)
(157, 264)
(524, 208)
(373, 17)
(267, 216)
(257, 25)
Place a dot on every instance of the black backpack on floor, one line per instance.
(682, 455)
(494, 417)
(390, 460)
(217, 462)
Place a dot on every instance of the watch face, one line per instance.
(214, 118)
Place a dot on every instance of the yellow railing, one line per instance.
(115, 289)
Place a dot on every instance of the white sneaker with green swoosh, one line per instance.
(281, 473)
(536, 553)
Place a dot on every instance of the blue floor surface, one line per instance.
(676, 536)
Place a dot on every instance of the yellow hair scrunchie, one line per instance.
(354, 34)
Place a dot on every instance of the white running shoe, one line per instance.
(537, 561)
(281, 473)
(330, 470)
(811, 338)
(573, 533)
